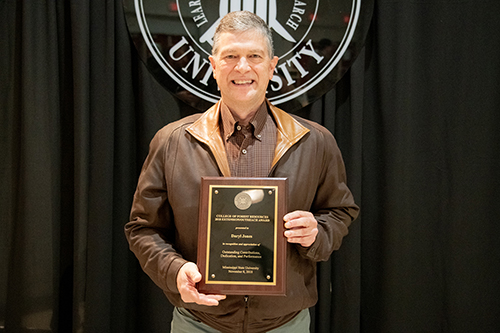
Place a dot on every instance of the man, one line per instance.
(243, 135)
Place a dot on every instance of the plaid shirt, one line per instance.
(249, 149)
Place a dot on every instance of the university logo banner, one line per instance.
(316, 42)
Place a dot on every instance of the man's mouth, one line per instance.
(242, 82)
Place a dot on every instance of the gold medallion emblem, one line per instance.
(242, 201)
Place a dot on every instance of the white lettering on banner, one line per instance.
(295, 18)
(194, 61)
(307, 50)
(200, 19)
(311, 52)
(276, 79)
(176, 48)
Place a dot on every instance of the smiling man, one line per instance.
(242, 65)
(243, 135)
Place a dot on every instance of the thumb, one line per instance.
(196, 277)
(193, 273)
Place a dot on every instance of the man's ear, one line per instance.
(213, 62)
(274, 62)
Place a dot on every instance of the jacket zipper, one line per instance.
(245, 318)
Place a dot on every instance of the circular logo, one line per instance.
(315, 40)
(242, 201)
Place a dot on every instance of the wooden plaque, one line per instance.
(241, 245)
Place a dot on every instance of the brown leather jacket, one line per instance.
(162, 231)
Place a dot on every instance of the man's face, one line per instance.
(242, 68)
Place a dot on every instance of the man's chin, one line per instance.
(236, 100)
(243, 95)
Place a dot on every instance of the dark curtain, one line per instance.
(416, 118)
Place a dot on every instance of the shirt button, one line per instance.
(244, 151)
(238, 128)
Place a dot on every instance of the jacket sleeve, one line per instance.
(150, 232)
(333, 207)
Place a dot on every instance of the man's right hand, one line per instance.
(187, 278)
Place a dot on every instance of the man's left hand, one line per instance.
(302, 227)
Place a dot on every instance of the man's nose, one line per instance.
(243, 65)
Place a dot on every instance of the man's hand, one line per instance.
(302, 227)
(187, 278)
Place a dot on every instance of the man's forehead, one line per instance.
(232, 48)
(251, 40)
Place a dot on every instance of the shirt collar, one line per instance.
(228, 123)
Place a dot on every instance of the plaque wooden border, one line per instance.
(228, 286)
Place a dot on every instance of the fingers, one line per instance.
(210, 300)
(302, 228)
(193, 296)
(300, 220)
(187, 278)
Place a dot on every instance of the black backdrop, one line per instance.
(416, 118)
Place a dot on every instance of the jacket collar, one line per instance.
(206, 130)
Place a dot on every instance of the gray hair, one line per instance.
(240, 21)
